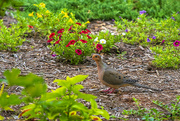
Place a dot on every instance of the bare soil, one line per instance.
(35, 57)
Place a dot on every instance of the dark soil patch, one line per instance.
(34, 56)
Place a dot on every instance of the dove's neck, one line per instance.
(101, 65)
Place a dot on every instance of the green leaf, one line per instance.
(36, 90)
(8, 108)
(3, 80)
(80, 107)
(76, 88)
(1, 117)
(8, 100)
(86, 97)
(64, 83)
(93, 104)
(61, 91)
(77, 79)
(30, 106)
(104, 113)
(12, 75)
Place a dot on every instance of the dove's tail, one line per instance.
(143, 86)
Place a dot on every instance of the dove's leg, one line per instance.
(107, 90)
(111, 91)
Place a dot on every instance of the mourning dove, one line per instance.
(113, 79)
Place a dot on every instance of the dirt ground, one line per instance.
(35, 57)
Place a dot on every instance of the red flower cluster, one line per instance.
(72, 42)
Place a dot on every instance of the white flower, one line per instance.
(103, 31)
(112, 33)
(102, 41)
(123, 33)
(96, 39)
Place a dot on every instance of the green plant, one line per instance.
(4, 4)
(148, 31)
(153, 114)
(166, 56)
(72, 43)
(109, 9)
(120, 56)
(7, 100)
(174, 109)
(11, 37)
(61, 103)
(106, 39)
(44, 21)
(154, 33)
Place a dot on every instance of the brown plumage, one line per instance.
(113, 79)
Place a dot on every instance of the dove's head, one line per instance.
(96, 57)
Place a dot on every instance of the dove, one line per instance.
(112, 78)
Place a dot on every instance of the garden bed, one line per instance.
(35, 57)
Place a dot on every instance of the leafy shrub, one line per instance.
(109, 9)
(154, 33)
(4, 4)
(73, 44)
(61, 103)
(158, 8)
(44, 21)
(11, 37)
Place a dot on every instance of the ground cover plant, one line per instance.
(12, 36)
(61, 103)
(4, 4)
(162, 37)
(153, 114)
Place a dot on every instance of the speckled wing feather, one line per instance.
(112, 77)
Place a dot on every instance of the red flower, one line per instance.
(52, 34)
(99, 46)
(83, 32)
(78, 23)
(60, 36)
(88, 31)
(61, 31)
(83, 41)
(89, 37)
(71, 43)
(30, 26)
(70, 28)
(78, 51)
(176, 43)
(50, 40)
(57, 42)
